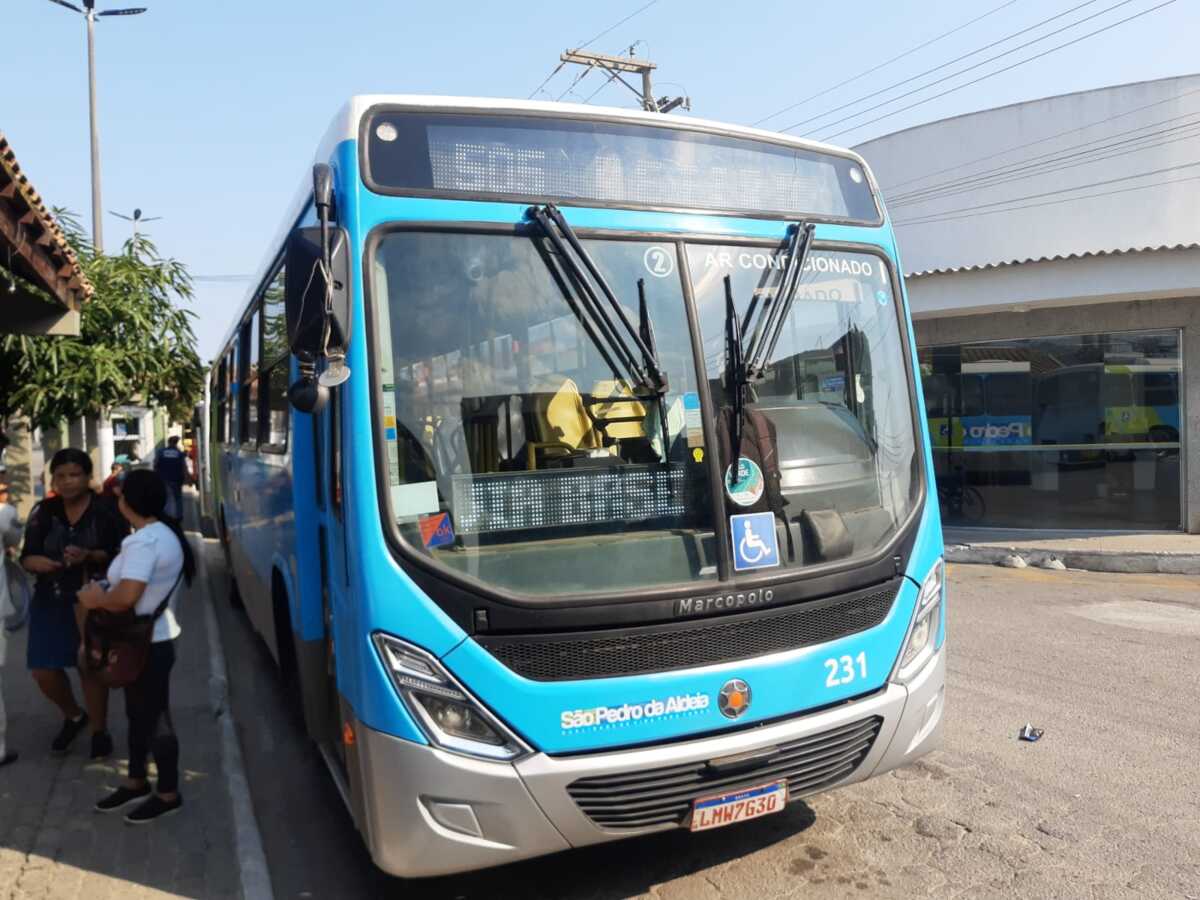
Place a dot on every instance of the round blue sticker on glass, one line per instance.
(882, 297)
(747, 488)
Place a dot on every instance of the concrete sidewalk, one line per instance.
(1166, 553)
(52, 845)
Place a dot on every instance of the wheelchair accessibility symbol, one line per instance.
(754, 542)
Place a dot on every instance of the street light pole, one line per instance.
(97, 234)
(89, 13)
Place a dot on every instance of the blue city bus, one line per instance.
(572, 464)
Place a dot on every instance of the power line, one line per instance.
(613, 27)
(1007, 68)
(957, 59)
(1140, 187)
(1080, 187)
(619, 66)
(537, 90)
(584, 45)
(884, 64)
(587, 71)
(578, 78)
(607, 81)
(1057, 163)
(1047, 171)
(1051, 137)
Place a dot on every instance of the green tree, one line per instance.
(135, 341)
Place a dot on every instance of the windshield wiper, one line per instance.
(735, 373)
(603, 326)
(744, 365)
(769, 325)
(648, 374)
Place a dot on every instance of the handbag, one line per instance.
(116, 645)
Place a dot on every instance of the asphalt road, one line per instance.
(1106, 805)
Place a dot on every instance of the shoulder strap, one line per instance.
(158, 611)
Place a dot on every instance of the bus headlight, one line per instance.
(919, 646)
(450, 717)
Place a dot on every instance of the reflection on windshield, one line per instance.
(826, 437)
(517, 452)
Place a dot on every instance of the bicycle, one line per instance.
(959, 501)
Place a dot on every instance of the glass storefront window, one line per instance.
(1080, 431)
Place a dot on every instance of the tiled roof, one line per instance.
(1038, 259)
(39, 249)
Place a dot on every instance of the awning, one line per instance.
(33, 247)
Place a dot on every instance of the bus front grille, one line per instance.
(685, 645)
(665, 796)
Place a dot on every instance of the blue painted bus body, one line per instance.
(273, 530)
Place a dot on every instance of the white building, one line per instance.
(1052, 254)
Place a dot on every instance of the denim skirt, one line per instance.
(53, 634)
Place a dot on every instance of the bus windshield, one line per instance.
(517, 454)
(520, 453)
(833, 405)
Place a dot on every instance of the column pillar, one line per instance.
(104, 441)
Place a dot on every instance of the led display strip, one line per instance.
(622, 163)
(562, 498)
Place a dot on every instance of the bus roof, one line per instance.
(345, 126)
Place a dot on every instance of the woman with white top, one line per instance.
(152, 563)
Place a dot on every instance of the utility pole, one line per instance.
(618, 66)
(89, 12)
(97, 229)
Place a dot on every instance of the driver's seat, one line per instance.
(561, 423)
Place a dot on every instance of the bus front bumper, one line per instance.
(435, 813)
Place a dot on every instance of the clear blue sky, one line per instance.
(210, 111)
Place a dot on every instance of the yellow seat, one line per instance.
(617, 414)
(562, 423)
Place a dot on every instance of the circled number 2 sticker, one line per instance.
(659, 261)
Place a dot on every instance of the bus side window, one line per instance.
(273, 415)
(253, 342)
(218, 393)
(233, 392)
(242, 433)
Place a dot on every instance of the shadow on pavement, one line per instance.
(53, 844)
(313, 849)
(620, 869)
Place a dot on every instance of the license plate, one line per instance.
(740, 806)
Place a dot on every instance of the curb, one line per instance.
(255, 877)
(1115, 561)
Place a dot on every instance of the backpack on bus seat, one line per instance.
(759, 444)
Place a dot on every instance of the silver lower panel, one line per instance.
(524, 810)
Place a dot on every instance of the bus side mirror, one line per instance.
(317, 296)
(306, 395)
(305, 292)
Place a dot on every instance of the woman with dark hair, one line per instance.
(70, 537)
(145, 575)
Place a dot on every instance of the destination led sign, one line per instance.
(597, 162)
(557, 498)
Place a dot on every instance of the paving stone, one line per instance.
(53, 846)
